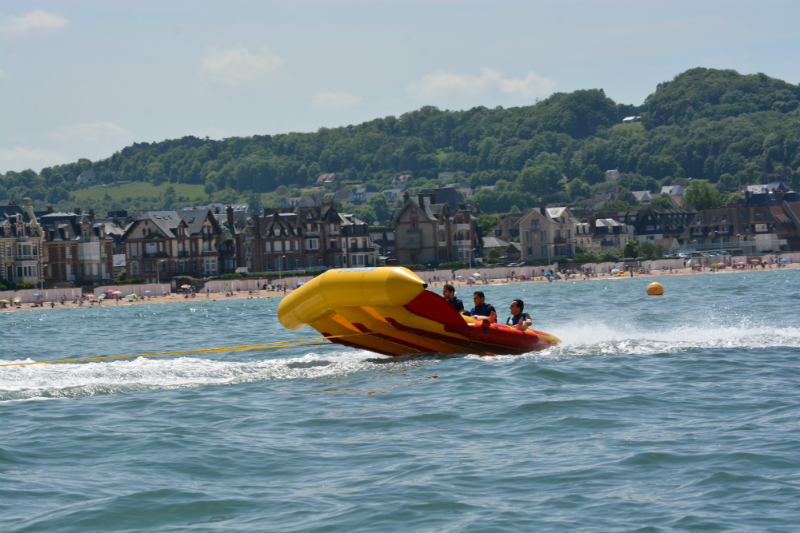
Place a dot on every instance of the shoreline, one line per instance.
(175, 298)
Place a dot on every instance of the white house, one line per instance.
(87, 178)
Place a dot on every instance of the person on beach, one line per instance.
(482, 309)
(518, 318)
(449, 293)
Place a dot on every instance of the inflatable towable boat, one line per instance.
(387, 310)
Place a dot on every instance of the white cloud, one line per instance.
(334, 101)
(447, 84)
(238, 66)
(97, 132)
(36, 21)
(21, 158)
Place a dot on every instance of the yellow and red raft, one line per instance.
(387, 310)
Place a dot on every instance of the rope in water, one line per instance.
(265, 346)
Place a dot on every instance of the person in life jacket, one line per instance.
(518, 319)
(449, 293)
(482, 309)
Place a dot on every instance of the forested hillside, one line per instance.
(715, 125)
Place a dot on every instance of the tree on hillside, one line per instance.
(487, 223)
(380, 206)
(662, 201)
(332, 202)
(366, 213)
(701, 196)
(578, 189)
(542, 180)
(627, 196)
(617, 205)
(593, 175)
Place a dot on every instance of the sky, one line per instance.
(83, 79)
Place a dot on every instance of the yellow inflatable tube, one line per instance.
(348, 287)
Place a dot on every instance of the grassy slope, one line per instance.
(135, 189)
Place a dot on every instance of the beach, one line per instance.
(179, 298)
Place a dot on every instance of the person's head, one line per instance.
(478, 297)
(448, 291)
(517, 306)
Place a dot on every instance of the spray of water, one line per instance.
(581, 340)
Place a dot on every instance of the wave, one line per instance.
(70, 380)
(603, 339)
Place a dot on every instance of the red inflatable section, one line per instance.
(495, 338)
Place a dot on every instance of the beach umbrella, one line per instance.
(38, 295)
(109, 291)
(135, 295)
(784, 260)
(90, 296)
(4, 301)
(116, 292)
(476, 275)
(17, 299)
(742, 263)
(146, 291)
(615, 272)
(185, 286)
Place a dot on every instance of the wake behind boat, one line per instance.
(388, 311)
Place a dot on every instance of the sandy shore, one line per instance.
(176, 298)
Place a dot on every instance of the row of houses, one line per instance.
(49, 248)
(546, 232)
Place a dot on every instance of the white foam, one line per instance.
(86, 379)
(580, 339)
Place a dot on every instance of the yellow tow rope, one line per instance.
(265, 346)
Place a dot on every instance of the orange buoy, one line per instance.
(655, 289)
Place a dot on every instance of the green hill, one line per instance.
(714, 125)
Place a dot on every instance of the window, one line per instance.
(544, 236)
(268, 247)
(278, 246)
(297, 245)
(297, 263)
(338, 261)
(288, 245)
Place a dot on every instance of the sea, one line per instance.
(665, 413)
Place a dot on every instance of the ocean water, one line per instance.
(672, 413)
